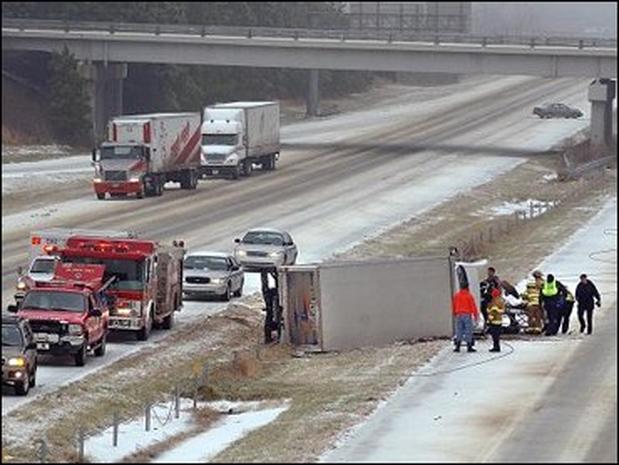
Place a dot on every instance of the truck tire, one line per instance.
(187, 179)
(100, 350)
(269, 164)
(168, 321)
(159, 187)
(236, 172)
(33, 378)
(21, 389)
(80, 357)
(247, 168)
(144, 333)
(101, 196)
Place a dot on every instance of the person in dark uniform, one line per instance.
(585, 293)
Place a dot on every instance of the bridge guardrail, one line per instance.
(301, 33)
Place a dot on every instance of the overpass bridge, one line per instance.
(106, 48)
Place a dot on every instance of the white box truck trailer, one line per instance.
(237, 135)
(351, 304)
(143, 152)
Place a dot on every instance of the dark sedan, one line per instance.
(557, 110)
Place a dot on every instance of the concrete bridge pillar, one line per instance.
(601, 96)
(106, 94)
(312, 100)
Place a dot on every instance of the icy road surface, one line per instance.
(552, 399)
(328, 199)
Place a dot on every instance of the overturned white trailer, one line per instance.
(349, 304)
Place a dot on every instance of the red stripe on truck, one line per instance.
(190, 149)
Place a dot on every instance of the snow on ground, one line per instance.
(536, 207)
(457, 395)
(133, 437)
(207, 445)
(18, 152)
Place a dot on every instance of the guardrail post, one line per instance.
(296, 35)
(66, 26)
(115, 430)
(249, 33)
(580, 44)
(147, 413)
(436, 40)
(203, 31)
(484, 41)
(532, 44)
(177, 402)
(390, 38)
(80, 440)
(157, 29)
(112, 29)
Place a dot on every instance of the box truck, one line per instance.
(237, 135)
(143, 152)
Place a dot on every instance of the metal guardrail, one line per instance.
(299, 33)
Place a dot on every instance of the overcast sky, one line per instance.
(591, 18)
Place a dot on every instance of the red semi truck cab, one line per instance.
(147, 289)
(69, 315)
(143, 152)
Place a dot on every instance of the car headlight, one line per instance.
(17, 362)
(241, 253)
(276, 254)
(97, 180)
(232, 160)
(128, 308)
(134, 179)
(75, 330)
(21, 285)
(217, 281)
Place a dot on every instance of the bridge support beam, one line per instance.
(312, 100)
(601, 96)
(106, 94)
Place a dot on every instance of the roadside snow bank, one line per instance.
(243, 418)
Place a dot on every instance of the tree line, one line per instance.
(153, 87)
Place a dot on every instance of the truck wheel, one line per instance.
(21, 389)
(194, 179)
(100, 350)
(140, 195)
(236, 172)
(33, 378)
(168, 321)
(247, 168)
(159, 187)
(80, 357)
(101, 196)
(144, 333)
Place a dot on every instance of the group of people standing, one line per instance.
(548, 308)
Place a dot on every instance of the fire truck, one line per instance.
(69, 314)
(148, 276)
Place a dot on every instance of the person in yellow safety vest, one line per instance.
(533, 310)
(496, 309)
(552, 299)
(566, 312)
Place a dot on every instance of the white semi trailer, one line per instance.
(238, 135)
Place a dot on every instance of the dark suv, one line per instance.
(19, 354)
(556, 110)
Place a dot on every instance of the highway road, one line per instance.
(329, 199)
(550, 399)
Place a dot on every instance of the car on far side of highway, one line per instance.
(212, 273)
(265, 248)
(556, 110)
(19, 354)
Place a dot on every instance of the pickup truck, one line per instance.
(68, 315)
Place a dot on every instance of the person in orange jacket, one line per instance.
(464, 311)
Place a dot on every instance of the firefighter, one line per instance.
(496, 309)
(586, 292)
(533, 309)
(491, 282)
(552, 298)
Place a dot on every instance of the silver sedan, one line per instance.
(265, 248)
(212, 274)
